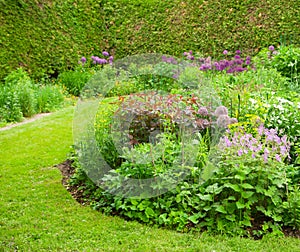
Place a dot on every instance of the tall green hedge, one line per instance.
(49, 36)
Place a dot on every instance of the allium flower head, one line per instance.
(221, 110)
(83, 59)
(237, 52)
(271, 48)
(225, 52)
(203, 111)
(105, 54)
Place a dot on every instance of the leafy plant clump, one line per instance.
(223, 175)
(20, 97)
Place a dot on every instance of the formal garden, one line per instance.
(189, 144)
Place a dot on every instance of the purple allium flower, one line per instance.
(185, 54)
(271, 48)
(230, 70)
(237, 56)
(105, 54)
(164, 58)
(247, 62)
(83, 60)
(237, 52)
(223, 121)
(240, 69)
(110, 59)
(225, 52)
(190, 52)
(274, 52)
(203, 111)
(221, 110)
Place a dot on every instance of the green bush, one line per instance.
(60, 33)
(74, 81)
(244, 182)
(20, 97)
(49, 98)
(10, 109)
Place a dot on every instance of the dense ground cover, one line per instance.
(240, 181)
(38, 214)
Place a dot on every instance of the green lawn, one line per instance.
(38, 214)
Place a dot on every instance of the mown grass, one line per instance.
(38, 214)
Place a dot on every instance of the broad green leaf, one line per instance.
(221, 209)
(247, 186)
(247, 194)
(149, 211)
(240, 205)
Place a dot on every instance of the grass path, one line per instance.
(38, 214)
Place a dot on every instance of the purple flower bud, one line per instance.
(83, 59)
(105, 54)
(237, 56)
(237, 52)
(271, 48)
(240, 152)
(225, 52)
(110, 59)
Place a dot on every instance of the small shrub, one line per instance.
(49, 98)
(74, 81)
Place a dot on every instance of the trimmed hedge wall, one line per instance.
(49, 36)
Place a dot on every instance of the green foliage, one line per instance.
(20, 97)
(246, 185)
(286, 60)
(59, 33)
(74, 81)
(49, 98)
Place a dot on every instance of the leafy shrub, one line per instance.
(248, 189)
(74, 81)
(10, 109)
(20, 97)
(134, 27)
(244, 183)
(49, 98)
(21, 85)
(286, 60)
(281, 113)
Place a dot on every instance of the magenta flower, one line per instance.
(105, 54)
(271, 48)
(240, 152)
(238, 52)
(225, 52)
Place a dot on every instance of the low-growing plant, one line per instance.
(20, 97)
(49, 98)
(285, 59)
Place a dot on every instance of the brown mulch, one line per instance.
(67, 171)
